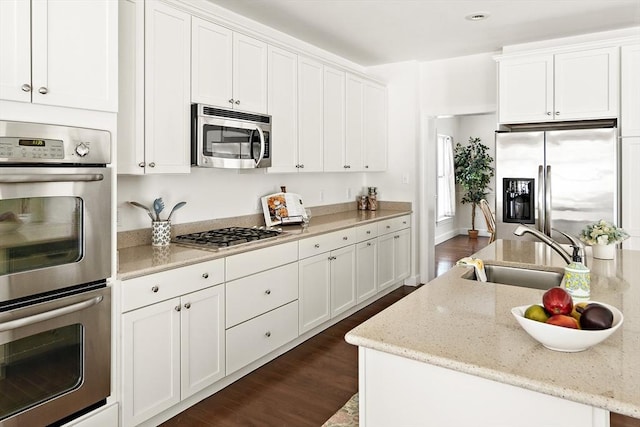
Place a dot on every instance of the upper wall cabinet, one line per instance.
(40, 43)
(154, 133)
(229, 69)
(563, 86)
(630, 91)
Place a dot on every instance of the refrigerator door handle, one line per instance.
(547, 202)
(540, 197)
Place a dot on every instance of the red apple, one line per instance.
(563, 320)
(557, 301)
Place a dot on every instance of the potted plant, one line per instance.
(603, 236)
(473, 172)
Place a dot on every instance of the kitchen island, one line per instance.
(451, 352)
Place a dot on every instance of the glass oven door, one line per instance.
(55, 229)
(55, 358)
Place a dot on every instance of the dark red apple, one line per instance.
(563, 320)
(557, 301)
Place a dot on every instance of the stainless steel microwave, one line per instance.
(229, 139)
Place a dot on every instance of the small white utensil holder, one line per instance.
(160, 233)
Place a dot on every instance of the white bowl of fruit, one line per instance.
(560, 325)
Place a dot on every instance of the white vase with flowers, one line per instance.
(603, 236)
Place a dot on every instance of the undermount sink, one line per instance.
(516, 276)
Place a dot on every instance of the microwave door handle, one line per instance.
(262, 145)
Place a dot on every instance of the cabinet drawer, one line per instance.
(161, 286)
(326, 242)
(248, 263)
(256, 294)
(257, 337)
(366, 232)
(394, 224)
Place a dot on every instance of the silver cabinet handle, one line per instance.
(548, 113)
(152, 165)
(187, 305)
(47, 315)
(301, 166)
(366, 166)
(557, 113)
(141, 164)
(231, 101)
(368, 231)
(345, 238)
(43, 90)
(268, 292)
(297, 166)
(205, 275)
(368, 243)
(26, 87)
(237, 102)
(317, 245)
(404, 222)
(388, 227)
(155, 289)
(267, 334)
(178, 308)
(396, 237)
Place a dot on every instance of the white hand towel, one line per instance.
(477, 264)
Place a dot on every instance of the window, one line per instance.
(445, 189)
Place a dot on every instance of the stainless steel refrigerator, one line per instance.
(556, 178)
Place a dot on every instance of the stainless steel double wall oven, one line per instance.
(55, 246)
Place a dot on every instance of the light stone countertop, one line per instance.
(467, 326)
(145, 259)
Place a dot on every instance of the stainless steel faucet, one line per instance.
(575, 243)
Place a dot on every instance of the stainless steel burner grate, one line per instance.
(225, 237)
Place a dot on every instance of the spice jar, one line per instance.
(372, 199)
(362, 203)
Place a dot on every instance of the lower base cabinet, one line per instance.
(394, 264)
(366, 271)
(171, 350)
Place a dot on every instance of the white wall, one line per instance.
(446, 228)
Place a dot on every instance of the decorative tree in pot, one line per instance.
(473, 172)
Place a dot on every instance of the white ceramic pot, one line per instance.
(604, 251)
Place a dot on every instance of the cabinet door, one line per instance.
(354, 122)
(283, 108)
(586, 84)
(402, 254)
(310, 115)
(630, 91)
(167, 89)
(61, 75)
(314, 291)
(366, 269)
(526, 89)
(151, 360)
(211, 63)
(202, 339)
(343, 279)
(386, 262)
(629, 196)
(249, 74)
(375, 128)
(334, 120)
(15, 45)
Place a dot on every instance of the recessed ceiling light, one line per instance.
(479, 16)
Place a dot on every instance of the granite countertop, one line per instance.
(140, 260)
(467, 326)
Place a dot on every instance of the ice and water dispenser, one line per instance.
(519, 200)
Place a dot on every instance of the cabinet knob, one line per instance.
(205, 275)
(388, 227)
(152, 165)
(345, 238)
(396, 237)
(301, 166)
(237, 102)
(43, 90)
(141, 164)
(548, 113)
(178, 308)
(267, 334)
(297, 166)
(368, 231)
(187, 305)
(368, 243)
(404, 222)
(231, 101)
(155, 289)
(268, 292)
(317, 245)
(557, 113)
(366, 166)
(26, 87)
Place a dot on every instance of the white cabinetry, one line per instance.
(630, 91)
(326, 277)
(394, 251)
(334, 119)
(366, 261)
(310, 122)
(562, 86)
(155, 74)
(174, 347)
(229, 69)
(354, 123)
(40, 43)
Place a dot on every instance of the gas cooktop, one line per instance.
(226, 237)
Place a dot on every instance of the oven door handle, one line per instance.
(48, 315)
(29, 178)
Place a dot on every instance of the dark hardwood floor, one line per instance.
(308, 384)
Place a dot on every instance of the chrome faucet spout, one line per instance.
(522, 229)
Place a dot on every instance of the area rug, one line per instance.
(347, 416)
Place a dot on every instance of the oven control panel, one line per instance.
(31, 149)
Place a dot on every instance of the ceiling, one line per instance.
(373, 32)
